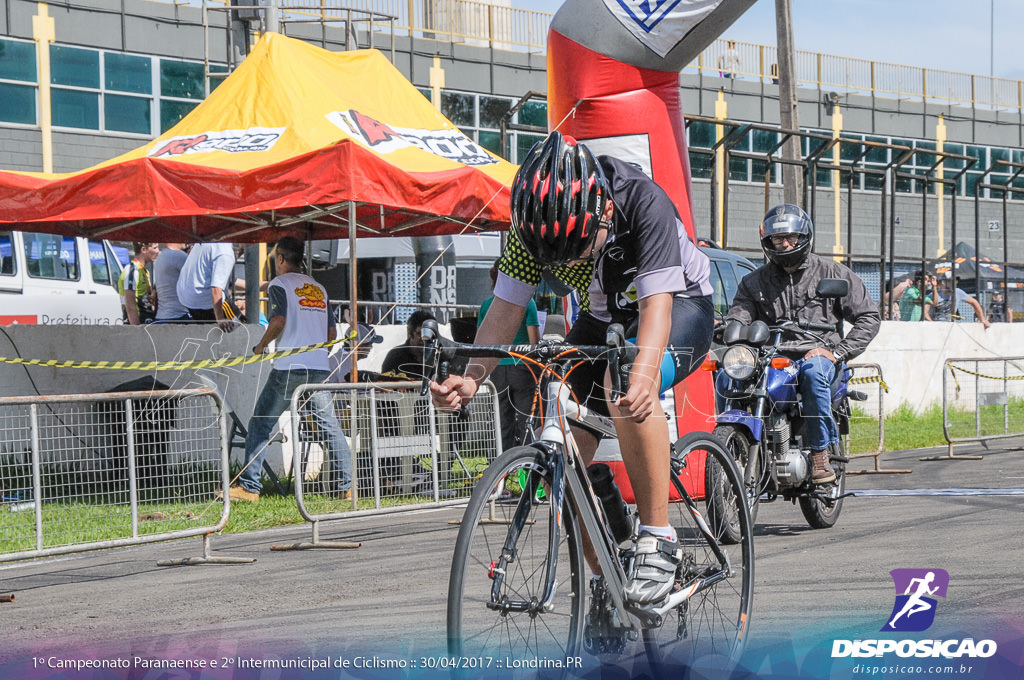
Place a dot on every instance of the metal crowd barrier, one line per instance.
(982, 399)
(405, 454)
(873, 376)
(90, 471)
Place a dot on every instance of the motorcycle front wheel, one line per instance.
(818, 513)
(736, 442)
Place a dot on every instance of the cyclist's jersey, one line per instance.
(648, 251)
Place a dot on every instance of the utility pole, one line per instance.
(792, 175)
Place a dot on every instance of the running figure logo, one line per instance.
(914, 609)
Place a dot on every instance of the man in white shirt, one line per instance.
(204, 280)
(300, 316)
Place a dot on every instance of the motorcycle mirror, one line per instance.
(833, 288)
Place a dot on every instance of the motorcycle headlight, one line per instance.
(739, 362)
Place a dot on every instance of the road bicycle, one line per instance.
(519, 583)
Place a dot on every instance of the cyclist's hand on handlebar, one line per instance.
(821, 352)
(638, 402)
(453, 393)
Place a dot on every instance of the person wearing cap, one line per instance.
(942, 304)
(300, 316)
(341, 359)
(998, 310)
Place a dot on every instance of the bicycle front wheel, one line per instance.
(708, 630)
(500, 569)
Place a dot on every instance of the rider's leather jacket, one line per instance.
(772, 295)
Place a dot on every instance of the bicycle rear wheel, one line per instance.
(501, 615)
(708, 630)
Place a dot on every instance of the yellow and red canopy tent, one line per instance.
(298, 140)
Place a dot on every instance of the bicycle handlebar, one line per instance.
(440, 352)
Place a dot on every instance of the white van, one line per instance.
(52, 279)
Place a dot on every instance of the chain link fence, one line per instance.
(89, 471)
(982, 399)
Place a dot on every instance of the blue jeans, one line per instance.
(273, 400)
(817, 375)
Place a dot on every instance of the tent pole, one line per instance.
(353, 294)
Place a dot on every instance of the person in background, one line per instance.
(911, 302)
(901, 288)
(729, 63)
(406, 360)
(166, 270)
(300, 315)
(138, 297)
(785, 289)
(341, 358)
(998, 310)
(513, 381)
(942, 304)
(203, 283)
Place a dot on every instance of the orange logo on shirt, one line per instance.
(311, 296)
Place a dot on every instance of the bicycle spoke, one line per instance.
(476, 629)
(711, 624)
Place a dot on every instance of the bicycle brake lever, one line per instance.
(617, 372)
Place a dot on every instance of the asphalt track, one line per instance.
(385, 601)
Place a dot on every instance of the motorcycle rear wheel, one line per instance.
(818, 513)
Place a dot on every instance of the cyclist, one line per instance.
(783, 289)
(600, 226)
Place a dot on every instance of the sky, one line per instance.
(951, 35)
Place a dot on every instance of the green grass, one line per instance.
(905, 429)
(92, 515)
(82, 507)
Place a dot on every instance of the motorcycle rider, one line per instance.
(783, 289)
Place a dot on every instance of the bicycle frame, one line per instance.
(555, 461)
(561, 456)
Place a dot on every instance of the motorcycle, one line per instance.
(761, 424)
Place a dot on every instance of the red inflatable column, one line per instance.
(634, 114)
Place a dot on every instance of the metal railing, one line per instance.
(90, 471)
(842, 211)
(982, 399)
(404, 453)
(864, 76)
(868, 374)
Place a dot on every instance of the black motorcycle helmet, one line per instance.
(558, 198)
(787, 219)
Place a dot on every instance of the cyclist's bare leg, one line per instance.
(645, 453)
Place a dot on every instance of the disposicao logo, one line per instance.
(916, 590)
(914, 611)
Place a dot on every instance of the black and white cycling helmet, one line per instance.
(787, 219)
(558, 198)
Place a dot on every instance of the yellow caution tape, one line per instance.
(869, 379)
(953, 368)
(168, 365)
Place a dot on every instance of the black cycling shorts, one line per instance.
(693, 322)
